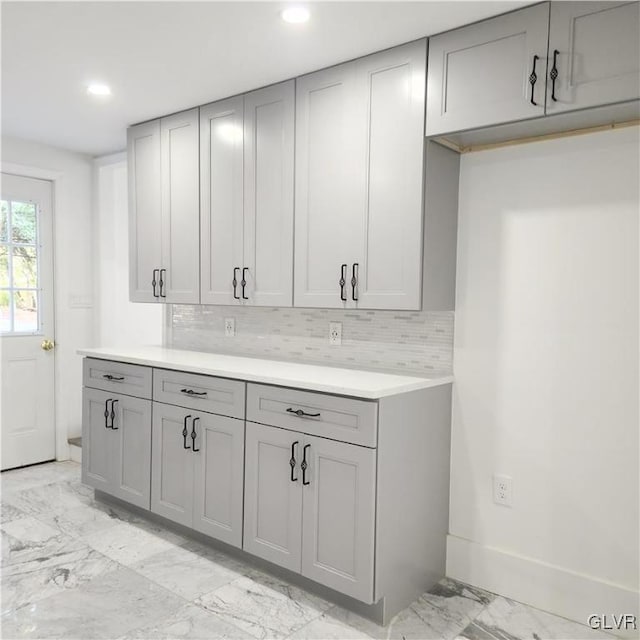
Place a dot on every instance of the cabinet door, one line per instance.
(218, 477)
(268, 194)
(389, 253)
(596, 50)
(132, 451)
(479, 75)
(221, 222)
(338, 530)
(143, 166)
(180, 208)
(98, 441)
(330, 182)
(171, 464)
(272, 500)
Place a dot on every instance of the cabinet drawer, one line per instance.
(202, 393)
(119, 377)
(334, 417)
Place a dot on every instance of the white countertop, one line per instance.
(346, 382)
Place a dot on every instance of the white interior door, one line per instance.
(27, 422)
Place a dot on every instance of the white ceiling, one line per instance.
(162, 57)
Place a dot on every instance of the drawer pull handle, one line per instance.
(191, 392)
(154, 282)
(185, 433)
(292, 462)
(243, 282)
(234, 282)
(163, 282)
(304, 465)
(113, 415)
(342, 282)
(193, 434)
(300, 413)
(354, 280)
(533, 77)
(553, 74)
(108, 376)
(106, 413)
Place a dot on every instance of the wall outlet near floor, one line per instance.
(503, 490)
(230, 327)
(335, 333)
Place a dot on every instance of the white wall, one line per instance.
(546, 367)
(73, 268)
(118, 322)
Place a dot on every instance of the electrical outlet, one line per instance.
(335, 333)
(230, 327)
(502, 490)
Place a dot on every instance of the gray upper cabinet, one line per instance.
(595, 48)
(247, 198)
(164, 210)
(481, 75)
(359, 177)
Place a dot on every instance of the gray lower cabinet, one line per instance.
(197, 470)
(116, 445)
(310, 507)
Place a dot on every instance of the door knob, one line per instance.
(47, 345)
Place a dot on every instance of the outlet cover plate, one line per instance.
(503, 490)
(335, 333)
(230, 327)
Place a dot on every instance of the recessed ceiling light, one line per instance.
(295, 15)
(98, 89)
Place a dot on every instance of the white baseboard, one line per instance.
(75, 453)
(544, 586)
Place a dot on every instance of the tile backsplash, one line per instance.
(419, 343)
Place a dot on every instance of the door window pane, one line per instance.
(25, 267)
(25, 311)
(4, 220)
(23, 222)
(5, 311)
(4, 267)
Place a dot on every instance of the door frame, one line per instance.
(27, 171)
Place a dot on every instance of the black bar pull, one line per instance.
(292, 462)
(300, 413)
(553, 74)
(154, 282)
(113, 415)
(109, 376)
(106, 413)
(304, 465)
(354, 280)
(533, 76)
(342, 282)
(243, 282)
(193, 434)
(191, 392)
(185, 433)
(235, 283)
(163, 282)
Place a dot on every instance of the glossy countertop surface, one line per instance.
(346, 382)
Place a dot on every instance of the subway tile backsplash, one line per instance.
(418, 343)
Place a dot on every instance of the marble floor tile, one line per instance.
(37, 475)
(108, 606)
(8, 513)
(189, 622)
(28, 530)
(326, 627)
(258, 610)
(80, 521)
(505, 619)
(54, 497)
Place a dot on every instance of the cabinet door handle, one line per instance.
(553, 74)
(191, 392)
(109, 376)
(185, 433)
(154, 282)
(300, 413)
(292, 462)
(113, 415)
(354, 280)
(533, 77)
(163, 293)
(193, 434)
(106, 413)
(342, 282)
(243, 282)
(304, 465)
(235, 283)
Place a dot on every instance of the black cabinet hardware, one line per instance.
(342, 282)
(162, 283)
(243, 282)
(109, 376)
(553, 74)
(191, 392)
(185, 433)
(235, 283)
(193, 434)
(154, 282)
(106, 413)
(113, 415)
(292, 462)
(354, 280)
(300, 413)
(304, 465)
(533, 77)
